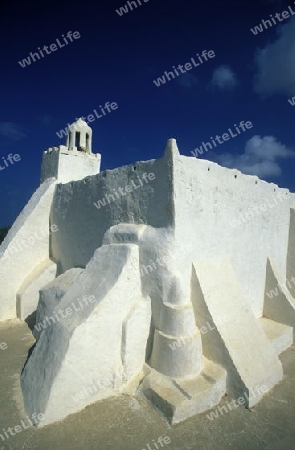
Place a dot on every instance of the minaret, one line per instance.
(79, 137)
(73, 161)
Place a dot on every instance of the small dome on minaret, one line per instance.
(79, 137)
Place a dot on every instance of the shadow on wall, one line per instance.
(278, 303)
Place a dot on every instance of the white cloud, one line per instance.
(12, 131)
(276, 63)
(224, 78)
(260, 157)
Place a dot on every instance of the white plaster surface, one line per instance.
(80, 234)
(135, 254)
(281, 307)
(208, 198)
(239, 345)
(18, 261)
(95, 344)
(193, 203)
(279, 335)
(73, 161)
(66, 165)
(50, 297)
(28, 294)
(183, 362)
(84, 141)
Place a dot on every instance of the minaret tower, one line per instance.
(79, 137)
(73, 161)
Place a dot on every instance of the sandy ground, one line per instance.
(124, 423)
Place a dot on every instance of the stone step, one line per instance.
(180, 399)
(279, 335)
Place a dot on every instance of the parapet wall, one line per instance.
(222, 213)
(216, 212)
(82, 225)
(210, 210)
(168, 246)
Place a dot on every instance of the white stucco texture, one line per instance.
(134, 284)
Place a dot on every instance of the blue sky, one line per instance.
(118, 57)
